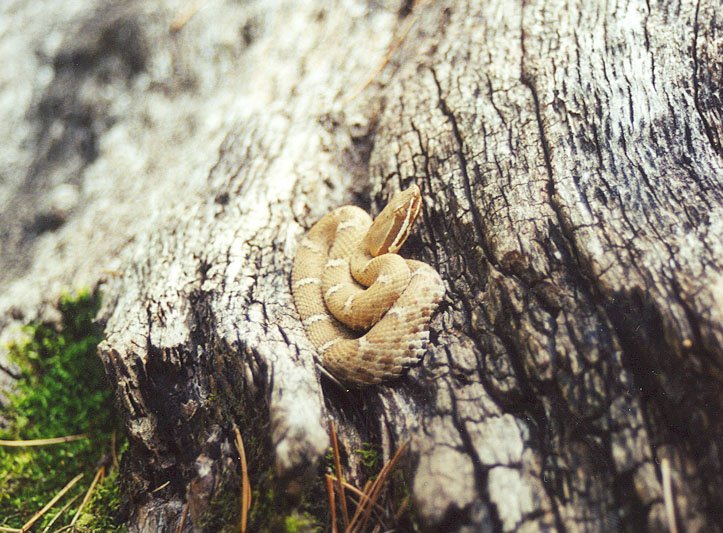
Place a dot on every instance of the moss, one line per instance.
(370, 455)
(100, 513)
(301, 523)
(61, 391)
(329, 459)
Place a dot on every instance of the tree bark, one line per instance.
(570, 159)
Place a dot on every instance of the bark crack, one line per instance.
(712, 137)
(462, 158)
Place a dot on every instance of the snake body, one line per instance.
(365, 308)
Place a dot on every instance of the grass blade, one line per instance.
(332, 503)
(98, 476)
(339, 475)
(59, 513)
(668, 495)
(245, 483)
(41, 442)
(52, 502)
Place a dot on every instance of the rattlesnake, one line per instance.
(348, 277)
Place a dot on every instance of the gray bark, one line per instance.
(570, 159)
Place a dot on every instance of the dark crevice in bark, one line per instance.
(463, 168)
(435, 224)
(456, 518)
(670, 418)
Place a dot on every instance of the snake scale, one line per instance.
(365, 308)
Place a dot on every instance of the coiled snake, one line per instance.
(347, 278)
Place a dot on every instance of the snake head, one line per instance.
(392, 226)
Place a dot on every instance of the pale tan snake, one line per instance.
(347, 279)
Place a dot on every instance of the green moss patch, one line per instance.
(61, 391)
(370, 455)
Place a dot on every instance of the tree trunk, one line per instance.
(570, 160)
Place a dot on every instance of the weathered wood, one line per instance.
(570, 158)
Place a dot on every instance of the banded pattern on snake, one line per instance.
(347, 278)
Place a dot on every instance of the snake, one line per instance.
(365, 309)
